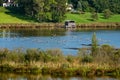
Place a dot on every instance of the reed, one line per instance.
(53, 62)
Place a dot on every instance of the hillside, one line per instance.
(86, 18)
(7, 17)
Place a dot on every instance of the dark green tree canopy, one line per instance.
(97, 5)
(44, 10)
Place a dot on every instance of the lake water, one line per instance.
(62, 39)
(8, 76)
(49, 39)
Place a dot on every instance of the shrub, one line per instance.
(87, 59)
(94, 16)
(70, 58)
(64, 66)
(107, 13)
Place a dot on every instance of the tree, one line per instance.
(74, 2)
(44, 10)
(79, 6)
(58, 10)
(94, 44)
(94, 16)
(1, 1)
(98, 5)
(107, 13)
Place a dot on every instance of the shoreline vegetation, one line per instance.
(99, 61)
(97, 25)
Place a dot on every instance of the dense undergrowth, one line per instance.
(53, 62)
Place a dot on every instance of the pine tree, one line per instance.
(94, 44)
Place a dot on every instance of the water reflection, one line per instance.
(31, 32)
(10, 76)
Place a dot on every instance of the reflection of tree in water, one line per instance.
(10, 76)
(31, 32)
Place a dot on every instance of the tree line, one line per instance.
(41, 10)
(96, 5)
(55, 10)
(44, 10)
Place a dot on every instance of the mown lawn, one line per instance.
(86, 18)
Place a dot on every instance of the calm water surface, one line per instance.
(50, 39)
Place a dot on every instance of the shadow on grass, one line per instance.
(16, 12)
(90, 19)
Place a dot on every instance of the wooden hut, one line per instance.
(70, 24)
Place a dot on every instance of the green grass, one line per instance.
(7, 17)
(86, 18)
(79, 18)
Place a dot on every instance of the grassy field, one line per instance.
(7, 17)
(86, 18)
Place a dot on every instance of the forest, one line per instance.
(96, 5)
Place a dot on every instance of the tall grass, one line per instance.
(105, 62)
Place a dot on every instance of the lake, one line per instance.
(67, 41)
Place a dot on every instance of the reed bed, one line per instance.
(53, 62)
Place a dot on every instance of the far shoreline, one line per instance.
(95, 25)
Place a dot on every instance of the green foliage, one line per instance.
(108, 55)
(107, 13)
(7, 17)
(1, 1)
(87, 59)
(70, 58)
(94, 16)
(94, 44)
(86, 18)
(3, 55)
(97, 5)
(54, 55)
(64, 66)
(79, 6)
(42, 62)
(6, 68)
(44, 10)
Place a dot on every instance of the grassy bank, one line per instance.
(86, 18)
(7, 17)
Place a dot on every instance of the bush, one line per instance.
(87, 59)
(6, 68)
(64, 66)
(70, 58)
(107, 13)
(94, 16)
